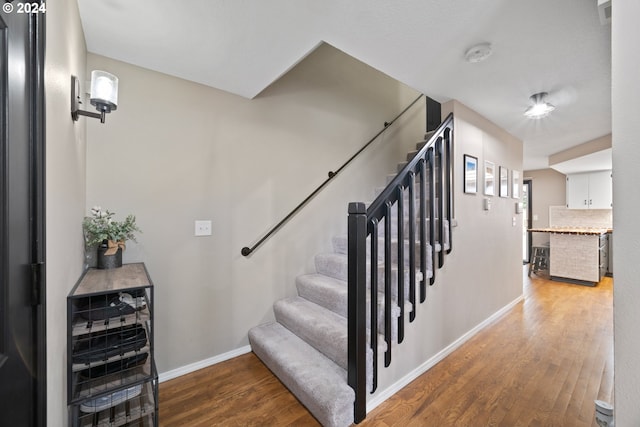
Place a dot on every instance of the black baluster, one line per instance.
(432, 213)
(400, 193)
(412, 246)
(387, 282)
(374, 299)
(423, 228)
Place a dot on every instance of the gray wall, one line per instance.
(626, 251)
(65, 175)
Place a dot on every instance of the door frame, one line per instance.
(37, 31)
(529, 182)
(36, 125)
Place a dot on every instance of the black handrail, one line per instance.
(246, 251)
(432, 165)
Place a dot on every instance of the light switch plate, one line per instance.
(203, 228)
(518, 207)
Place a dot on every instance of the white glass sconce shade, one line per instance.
(104, 91)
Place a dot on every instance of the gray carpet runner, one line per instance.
(306, 347)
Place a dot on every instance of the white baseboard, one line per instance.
(187, 369)
(382, 395)
(404, 381)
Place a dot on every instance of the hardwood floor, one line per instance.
(542, 364)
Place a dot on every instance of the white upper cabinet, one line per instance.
(590, 190)
(600, 190)
(578, 191)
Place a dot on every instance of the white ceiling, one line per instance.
(241, 46)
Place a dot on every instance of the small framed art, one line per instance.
(504, 182)
(470, 174)
(515, 184)
(489, 178)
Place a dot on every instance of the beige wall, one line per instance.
(549, 188)
(65, 186)
(589, 147)
(175, 152)
(483, 273)
(626, 250)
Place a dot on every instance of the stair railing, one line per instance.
(246, 251)
(432, 168)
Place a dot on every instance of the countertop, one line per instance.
(571, 230)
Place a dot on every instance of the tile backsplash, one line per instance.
(560, 216)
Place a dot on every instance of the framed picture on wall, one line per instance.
(504, 182)
(515, 184)
(489, 178)
(470, 174)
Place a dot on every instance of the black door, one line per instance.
(22, 338)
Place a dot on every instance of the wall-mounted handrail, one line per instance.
(246, 251)
(431, 169)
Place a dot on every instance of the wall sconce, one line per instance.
(104, 95)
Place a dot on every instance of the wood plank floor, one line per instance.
(542, 364)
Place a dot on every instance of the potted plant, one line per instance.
(109, 236)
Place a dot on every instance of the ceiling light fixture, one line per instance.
(540, 107)
(104, 95)
(478, 53)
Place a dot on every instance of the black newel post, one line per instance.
(433, 114)
(357, 324)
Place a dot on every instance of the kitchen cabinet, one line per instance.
(590, 190)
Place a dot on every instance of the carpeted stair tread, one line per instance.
(316, 381)
(332, 294)
(323, 329)
(336, 266)
(333, 265)
(325, 291)
(411, 154)
(340, 244)
(390, 177)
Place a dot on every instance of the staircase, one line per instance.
(307, 347)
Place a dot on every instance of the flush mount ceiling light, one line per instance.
(104, 95)
(478, 53)
(540, 107)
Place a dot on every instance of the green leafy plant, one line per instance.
(100, 226)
